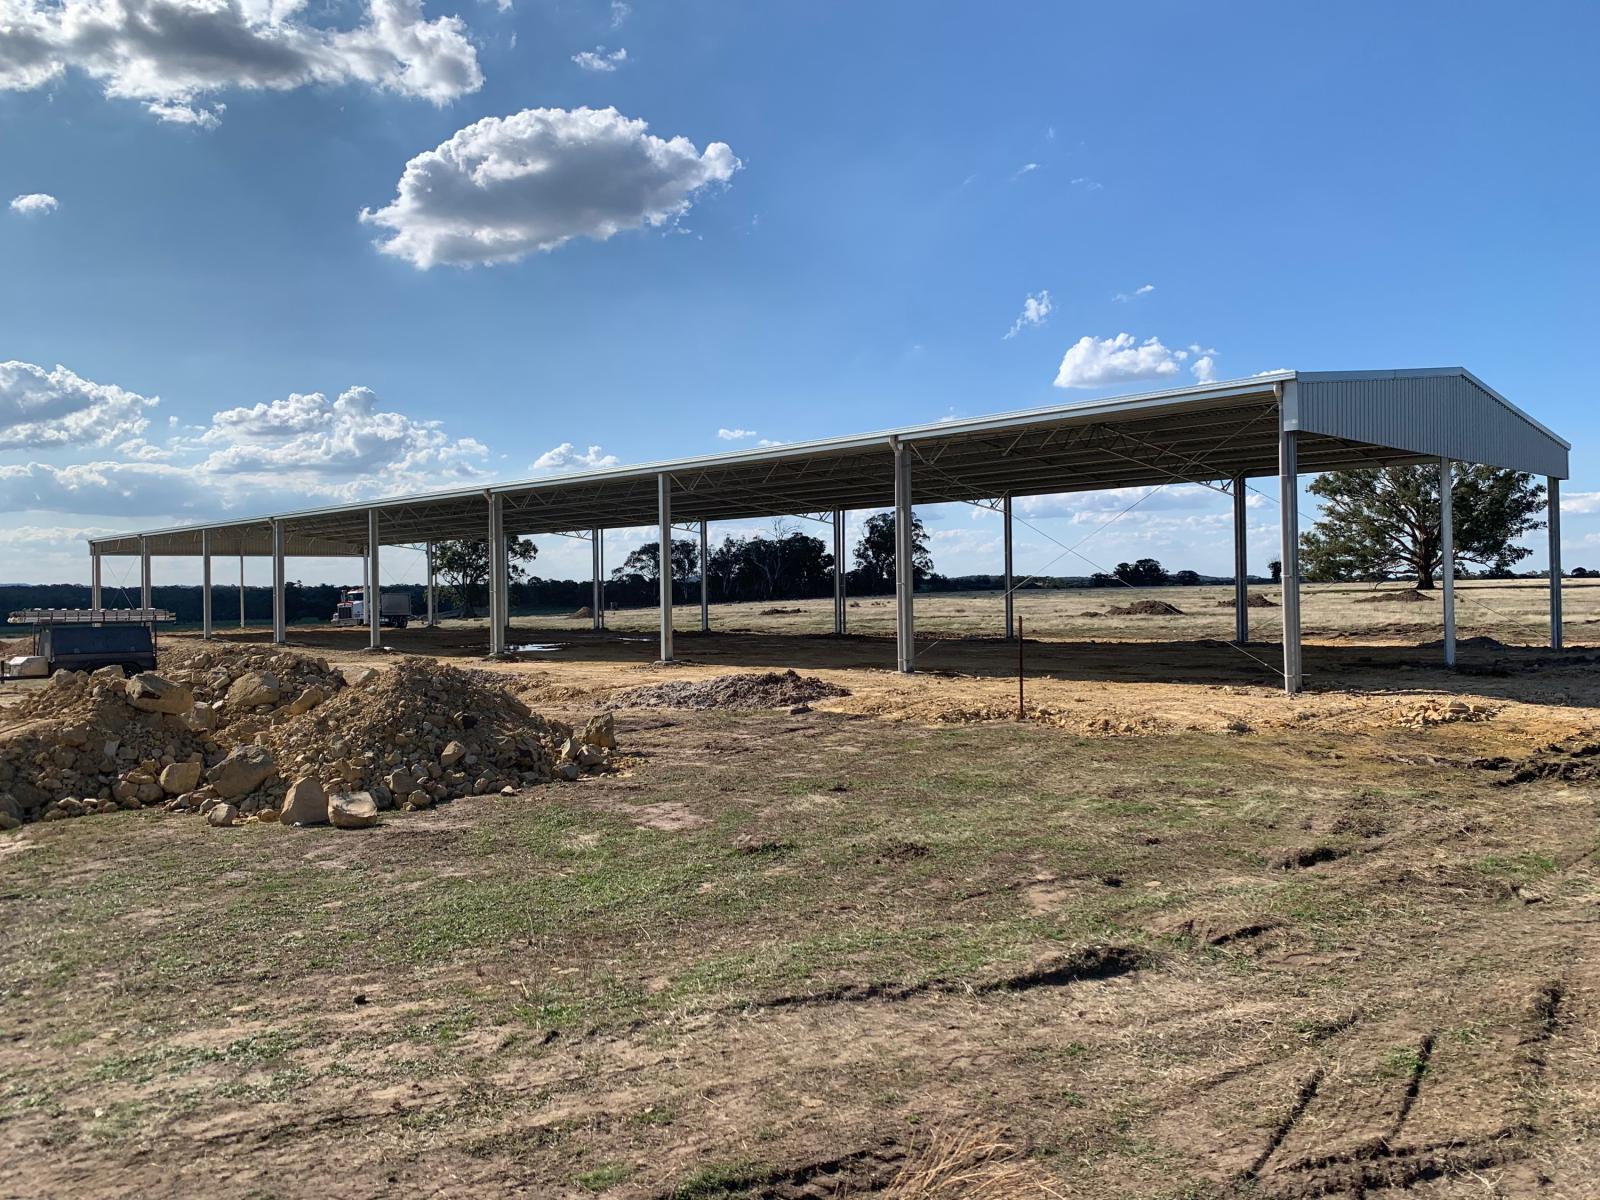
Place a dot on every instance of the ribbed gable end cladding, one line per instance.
(1445, 413)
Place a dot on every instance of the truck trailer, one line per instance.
(394, 610)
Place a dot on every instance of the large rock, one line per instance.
(306, 803)
(356, 676)
(307, 700)
(253, 689)
(180, 777)
(244, 770)
(600, 731)
(202, 718)
(352, 810)
(453, 753)
(149, 692)
(222, 814)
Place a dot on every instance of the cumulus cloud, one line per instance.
(1035, 311)
(735, 435)
(169, 54)
(58, 408)
(35, 204)
(308, 436)
(1095, 362)
(507, 187)
(567, 457)
(132, 489)
(598, 60)
(619, 13)
(1124, 297)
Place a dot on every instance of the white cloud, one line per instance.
(170, 53)
(311, 438)
(1124, 297)
(1035, 311)
(134, 489)
(1087, 184)
(598, 60)
(1025, 169)
(567, 457)
(735, 435)
(619, 13)
(1204, 368)
(507, 187)
(1580, 503)
(40, 408)
(35, 204)
(1095, 362)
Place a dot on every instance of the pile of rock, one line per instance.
(272, 736)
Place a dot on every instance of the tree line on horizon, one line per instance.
(1376, 525)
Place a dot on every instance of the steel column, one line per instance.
(205, 584)
(241, 589)
(1289, 530)
(95, 601)
(1447, 556)
(705, 593)
(1241, 566)
(145, 590)
(433, 601)
(904, 568)
(664, 561)
(1011, 612)
(374, 585)
(280, 608)
(839, 603)
(497, 575)
(597, 606)
(1553, 499)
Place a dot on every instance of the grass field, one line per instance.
(1173, 935)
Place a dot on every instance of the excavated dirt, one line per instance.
(1410, 596)
(772, 689)
(1145, 608)
(1256, 600)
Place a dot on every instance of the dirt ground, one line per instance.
(1172, 935)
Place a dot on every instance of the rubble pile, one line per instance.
(278, 736)
(87, 744)
(773, 689)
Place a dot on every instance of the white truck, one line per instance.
(394, 608)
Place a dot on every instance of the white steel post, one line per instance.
(241, 583)
(145, 590)
(497, 575)
(1553, 494)
(280, 613)
(1241, 566)
(839, 603)
(433, 594)
(1011, 615)
(904, 568)
(705, 593)
(1289, 530)
(597, 606)
(94, 579)
(374, 584)
(1447, 557)
(205, 584)
(664, 561)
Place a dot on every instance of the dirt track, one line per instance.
(1175, 935)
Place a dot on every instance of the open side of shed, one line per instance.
(1280, 423)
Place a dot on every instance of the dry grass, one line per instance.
(968, 1162)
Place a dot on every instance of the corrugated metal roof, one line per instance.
(1200, 432)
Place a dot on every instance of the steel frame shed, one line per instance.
(1281, 423)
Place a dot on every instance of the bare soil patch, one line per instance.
(772, 689)
(1145, 608)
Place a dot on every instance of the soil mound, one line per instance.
(1256, 600)
(1409, 596)
(1577, 763)
(779, 612)
(1145, 608)
(773, 689)
(584, 614)
(232, 734)
(1478, 642)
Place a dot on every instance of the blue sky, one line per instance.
(863, 202)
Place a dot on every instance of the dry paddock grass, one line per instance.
(1171, 936)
